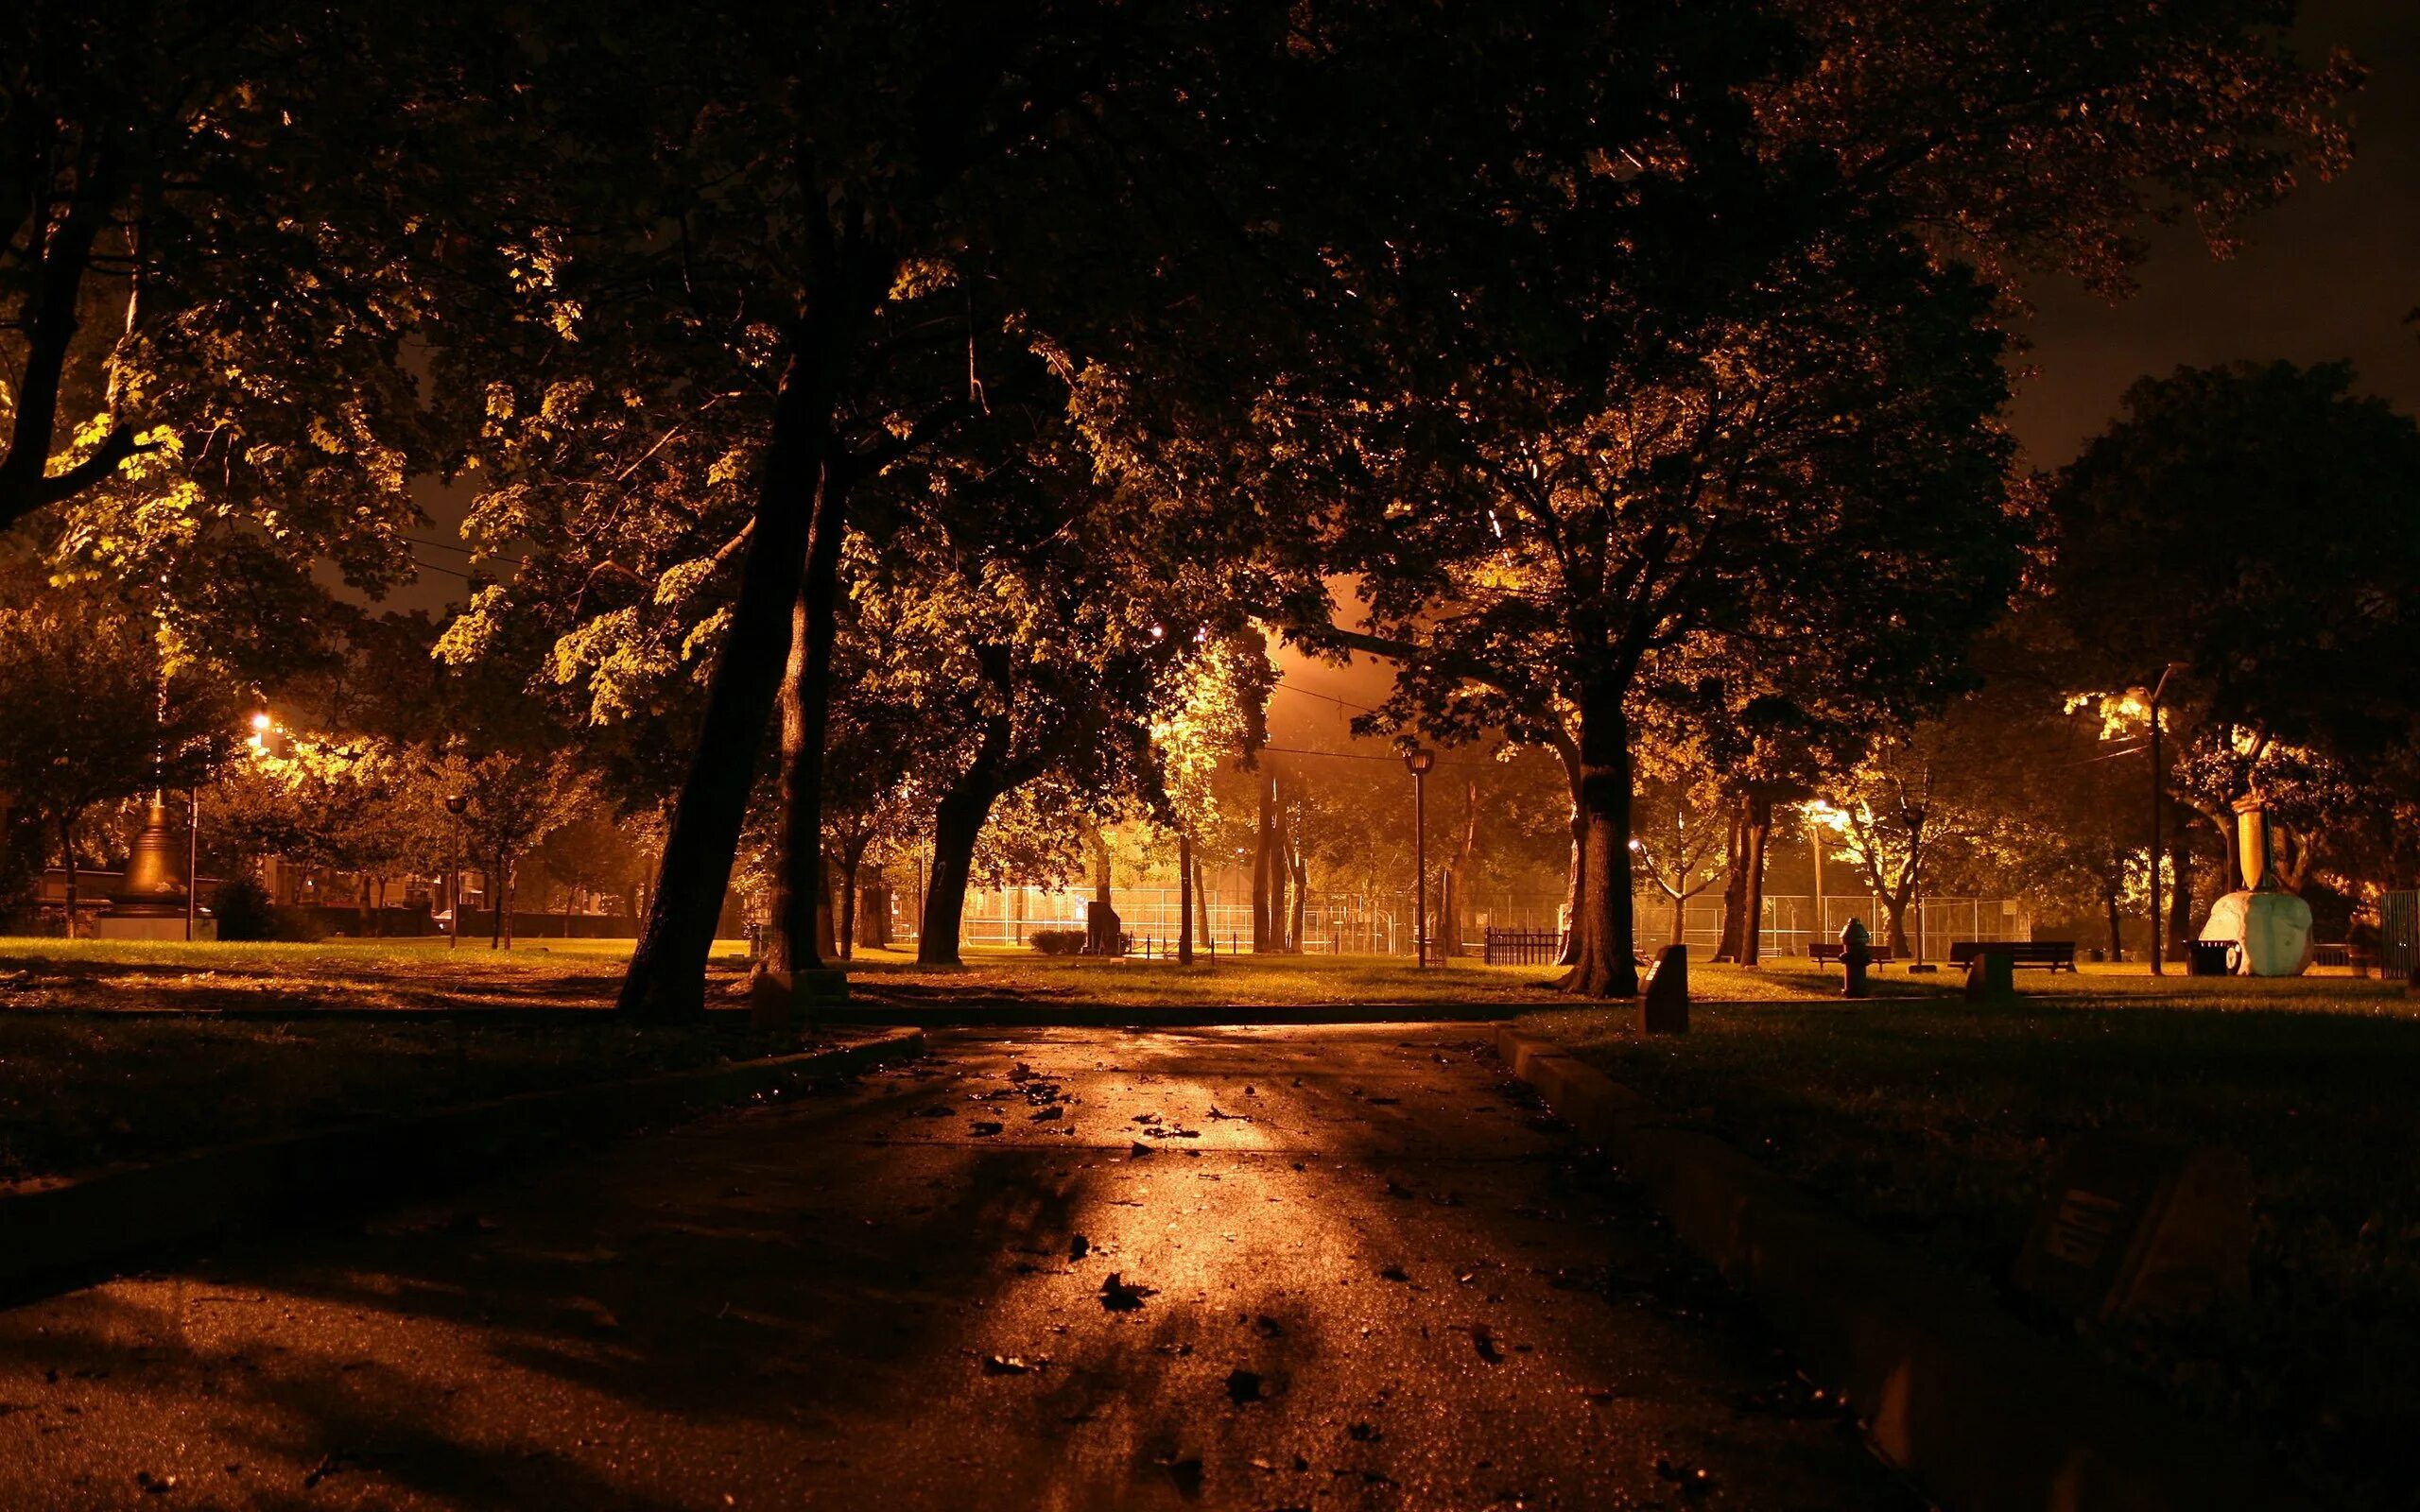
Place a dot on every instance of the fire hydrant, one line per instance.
(1855, 956)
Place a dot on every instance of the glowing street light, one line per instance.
(1417, 762)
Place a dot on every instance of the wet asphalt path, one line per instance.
(1254, 1270)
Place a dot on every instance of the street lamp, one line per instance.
(1417, 762)
(2159, 944)
(455, 804)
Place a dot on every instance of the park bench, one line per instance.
(1830, 951)
(2053, 954)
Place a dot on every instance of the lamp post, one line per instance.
(455, 804)
(1417, 762)
(2159, 945)
(193, 856)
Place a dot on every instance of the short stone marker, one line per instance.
(1665, 1007)
(1990, 977)
(1104, 931)
(2130, 1229)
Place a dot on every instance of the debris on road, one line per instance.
(1119, 1298)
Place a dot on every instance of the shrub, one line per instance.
(243, 910)
(1057, 941)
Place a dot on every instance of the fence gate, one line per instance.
(1523, 947)
(2398, 934)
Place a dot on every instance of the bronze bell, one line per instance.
(154, 885)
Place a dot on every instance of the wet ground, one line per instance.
(1260, 1269)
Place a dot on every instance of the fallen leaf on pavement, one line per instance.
(984, 1125)
(1119, 1298)
(1243, 1386)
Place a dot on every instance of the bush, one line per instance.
(1057, 941)
(299, 926)
(243, 910)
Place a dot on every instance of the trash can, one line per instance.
(2207, 957)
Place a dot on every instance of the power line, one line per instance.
(1358, 756)
(1307, 692)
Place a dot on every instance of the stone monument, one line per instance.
(150, 901)
(2266, 929)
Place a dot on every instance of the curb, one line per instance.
(1008, 1013)
(80, 1230)
(1983, 1413)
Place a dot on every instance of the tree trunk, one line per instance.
(1607, 965)
(847, 917)
(2117, 920)
(496, 905)
(1264, 868)
(666, 979)
(1455, 915)
(801, 895)
(957, 821)
(67, 860)
(1734, 886)
(1099, 940)
(1202, 911)
(2180, 898)
(1569, 956)
(1756, 829)
(503, 904)
(1894, 907)
(1297, 869)
(1680, 920)
(1183, 899)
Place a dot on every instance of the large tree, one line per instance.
(828, 223)
(1653, 370)
(96, 712)
(208, 230)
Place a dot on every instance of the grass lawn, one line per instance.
(1028, 976)
(1938, 1123)
(371, 973)
(112, 1083)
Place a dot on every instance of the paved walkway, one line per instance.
(1259, 1269)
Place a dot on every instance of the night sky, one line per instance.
(2331, 274)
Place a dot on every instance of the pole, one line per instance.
(1420, 864)
(2152, 854)
(454, 888)
(193, 856)
(2158, 953)
(1815, 847)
